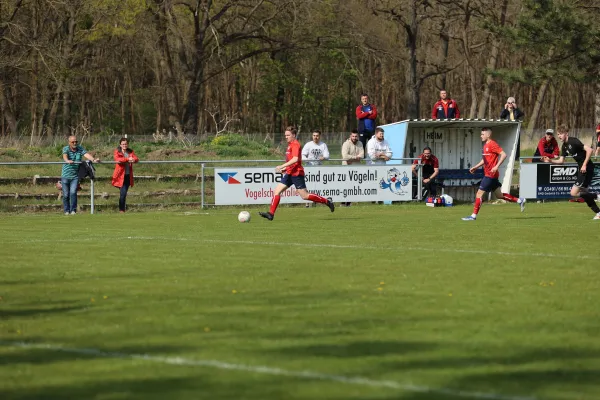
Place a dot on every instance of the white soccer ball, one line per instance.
(244, 216)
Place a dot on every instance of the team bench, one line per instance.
(458, 177)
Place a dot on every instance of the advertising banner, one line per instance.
(341, 183)
(556, 181)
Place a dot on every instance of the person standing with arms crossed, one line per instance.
(366, 114)
(493, 157)
(123, 174)
(293, 174)
(581, 153)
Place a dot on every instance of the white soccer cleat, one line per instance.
(469, 218)
(522, 202)
(597, 216)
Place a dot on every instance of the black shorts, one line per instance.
(489, 184)
(297, 181)
(584, 180)
(598, 144)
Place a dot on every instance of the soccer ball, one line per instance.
(244, 216)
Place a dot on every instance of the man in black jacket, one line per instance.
(511, 112)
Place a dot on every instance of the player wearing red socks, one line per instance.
(293, 175)
(493, 157)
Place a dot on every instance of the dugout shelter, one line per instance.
(457, 144)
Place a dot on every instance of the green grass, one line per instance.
(403, 293)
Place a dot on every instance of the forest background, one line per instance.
(203, 67)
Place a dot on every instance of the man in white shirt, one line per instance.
(378, 149)
(315, 151)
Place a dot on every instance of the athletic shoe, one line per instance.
(73, 212)
(330, 204)
(522, 202)
(67, 213)
(266, 215)
(597, 216)
(469, 218)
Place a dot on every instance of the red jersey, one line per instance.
(294, 150)
(428, 164)
(491, 153)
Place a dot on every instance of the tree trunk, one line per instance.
(7, 113)
(166, 63)
(412, 86)
(536, 108)
(444, 47)
(491, 65)
(195, 96)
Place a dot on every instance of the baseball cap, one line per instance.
(550, 132)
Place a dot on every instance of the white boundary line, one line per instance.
(314, 245)
(357, 380)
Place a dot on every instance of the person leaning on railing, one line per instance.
(69, 178)
(352, 153)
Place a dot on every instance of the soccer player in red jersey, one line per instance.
(293, 175)
(493, 157)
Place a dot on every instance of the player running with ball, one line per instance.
(581, 153)
(294, 175)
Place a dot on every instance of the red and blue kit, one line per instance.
(491, 153)
(294, 150)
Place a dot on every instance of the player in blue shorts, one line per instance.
(294, 175)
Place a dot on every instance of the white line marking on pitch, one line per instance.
(357, 380)
(299, 244)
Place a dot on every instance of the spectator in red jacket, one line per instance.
(366, 114)
(123, 174)
(445, 108)
(597, 153)
(547, 146)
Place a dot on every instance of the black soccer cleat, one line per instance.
(330, 204)
(266, 215)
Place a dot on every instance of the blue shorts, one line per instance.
(297, 181)
(489, 184)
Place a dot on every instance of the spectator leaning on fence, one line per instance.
(352, 149)
(123, 174)
(547, 146)
(69, 178)
(511, 112)
(378, 149)
(352, 153)
(431, 169)
(315, 151)
(445, 108)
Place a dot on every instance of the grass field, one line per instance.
(370, 302)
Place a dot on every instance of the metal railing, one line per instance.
(207, 164)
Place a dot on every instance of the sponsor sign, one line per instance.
(556, 181)
(341, 183)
